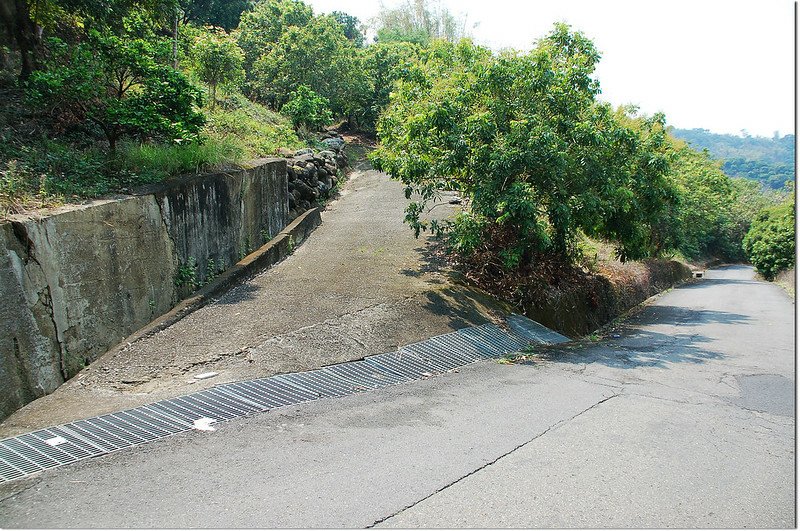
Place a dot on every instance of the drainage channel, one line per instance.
(61, 445)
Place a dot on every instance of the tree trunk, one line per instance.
(175, 41)
(17, 20)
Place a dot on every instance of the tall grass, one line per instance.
(151, 163)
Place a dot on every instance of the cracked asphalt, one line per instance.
(682, 416)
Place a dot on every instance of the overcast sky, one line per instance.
(722, 65)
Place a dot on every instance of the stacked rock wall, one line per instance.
(313, 175)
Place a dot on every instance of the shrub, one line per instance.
(217, 60)
(770, 242)
(307, 109)
(116, 85)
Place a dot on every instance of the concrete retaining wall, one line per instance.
(75, 283)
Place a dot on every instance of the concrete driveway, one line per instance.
(361, 284)
(682, 417)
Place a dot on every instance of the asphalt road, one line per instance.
(682, 417)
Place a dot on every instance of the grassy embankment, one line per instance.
(44, 165)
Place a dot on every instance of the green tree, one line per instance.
(384, 63)
(770, 242)
(217, 60)
(317, 55)
(351, 27)
(705, 217)
(262, 27)
(522, 137)
(418, 22)
(116, 85)
(219, 13)
(307, 109)
(27, 22)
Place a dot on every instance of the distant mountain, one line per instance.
(768, 160)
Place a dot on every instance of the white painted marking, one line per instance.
(55, 441)
(204, 424)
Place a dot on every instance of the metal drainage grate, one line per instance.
(61, 445)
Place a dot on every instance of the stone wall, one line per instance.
(76, 282)
(313, 175)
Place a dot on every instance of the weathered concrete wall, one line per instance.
(75, 283)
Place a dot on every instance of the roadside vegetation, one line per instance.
(102, 97)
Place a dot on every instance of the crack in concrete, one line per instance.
(492, 462)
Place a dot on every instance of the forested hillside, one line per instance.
(101, 97)
(767, 160)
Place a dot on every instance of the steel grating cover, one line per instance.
(61, 445)
(534, 331)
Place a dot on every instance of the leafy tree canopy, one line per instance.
(770, 242)
(117, 86)
(317, 55)
(217, 59)
(262, 27)
(219, 13)
(351, 27)
(307, 109)
(522, 137)
(418, 22)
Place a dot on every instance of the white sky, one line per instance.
(723, 65)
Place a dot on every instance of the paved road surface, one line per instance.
(685, 419)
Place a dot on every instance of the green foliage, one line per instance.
(770, 242)
(219, 13)
(776, 150)
(384, 63)
(307, 109)
(770, 175)
(186, 275)
(262, 27)
(351, 27)
(217, 60)
(522, 137)
(116, 85)
(418, 22)
(705, 213)
(317, 55)
(767, 160)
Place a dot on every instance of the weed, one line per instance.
(265, 235)
(213, 270)
(292, 244)
(246, 248)
(186, 275)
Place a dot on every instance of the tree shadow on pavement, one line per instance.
(704, 283)
(682, 316)
(243, 292)
(651, 349)
(632, 346)
(431, 261)
(464, 306)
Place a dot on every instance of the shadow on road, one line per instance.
(706, 282)
(431, 260)
(632, 346)
(243, 292)
(681, 316)
(645, 349)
